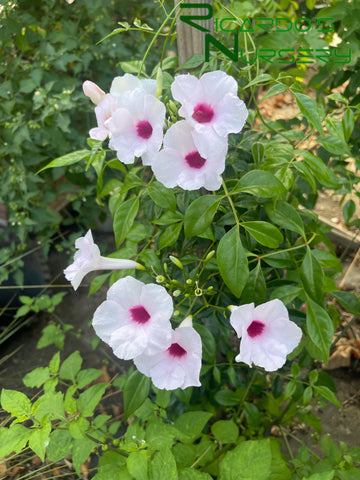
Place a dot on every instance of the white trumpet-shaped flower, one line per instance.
(87, 259)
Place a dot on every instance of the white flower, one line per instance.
(189, 160)
(88, 258)
(267, 335)
(129, 82)
(210, 104)
(103, 111)
(136, 127)
(135, 318)
(92, 91)
(179, 365)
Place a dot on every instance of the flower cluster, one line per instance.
(194, 149)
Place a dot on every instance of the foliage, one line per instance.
(255, 239)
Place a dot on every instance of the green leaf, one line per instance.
(286, 216)
(163, 465)
(225, 431)
(312, 276)
(307, 395)
(349, 301)
(163, 197)
(328, 394)
(51, 335)
(274, 90)
(227, 398)
(81, 450)
(190, 425)
(89, 399)
(54, 364)
(208, 343)
(192, 62)
(279, 470)
(348, 210)
(39, 440)
(250, 460)
(60, 445)
(258, 151)
(13, 439)
(124, 218)
(232, 261)
(135, 392)
(84, 377)
(320, 327)
(97, 282)
(329, 475)
(192, 474)
(170, 235)
(37, 377)
(200, 214)
(132, 66)
(255, 288)
(264, 232)
(333, 144)
(262, 78)
(66, 160)
(16, 403)
(260, 183)
(49, 405)
(348, 123)
(308, 108)
(168, 217)
(286, 293)
(338, 98)
(71, 366)
(137, 464)
(159, 435)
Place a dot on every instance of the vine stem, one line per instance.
(231, 202)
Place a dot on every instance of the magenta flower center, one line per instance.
(139, 314)
(203, 113)
(176, 350)
(255, 328)
(144, 129)
(195, 160)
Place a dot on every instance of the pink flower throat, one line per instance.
(176, 350)
(255, 328)
(139, 314)
(144, 129)
(203, 113)
(195, 160)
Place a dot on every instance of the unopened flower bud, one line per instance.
(176, 262)
(189, 281)
(92, 91)
(160, 279)
(176, 293)
(209, 255)
(176, 313)
(159, 83)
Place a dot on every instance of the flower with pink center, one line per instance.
(179, 365)
(267, 334)
(129, 82)
(136, 126)
(189, 160)
(92, 91)
(135, 318)
(210, 104)
(87, 259)
(103, 111)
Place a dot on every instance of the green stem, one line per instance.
(231, 203)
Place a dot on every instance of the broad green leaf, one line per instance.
(163, 465)
(51, 335)
(170, 235)
(308, 108)
(348, 210)
(258, 151)
(50, 405)
(279, 470)
(97, 282)
(264, 232)
(338, 98)
(225, 431)
(260, 183)
(250, 460)
(192, 474)
(89, 399)
(312, 276)
(274, 90)
(162, 196)
(192, 62)
(200, 214)
(81, 451)
(168, 217)
(54, 364)
(84, 377)
(320, 327)
(124, 218)
(286, 293)
(37, 377)
(255, 288)
(16, 403)
(328, 394)
(13, 439)
(286, 216)
(191, 424)
(328, 475)
(232, 261)
(137, 464)
(262, 78)
(69, 401)
(135, 392)
(132, 66)
(71, 366)
(333, 144)
(159, 435)
(39, 440)
(348, 122)
(60, 445)
(66, 160)
(208, 343)
(349, 301)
